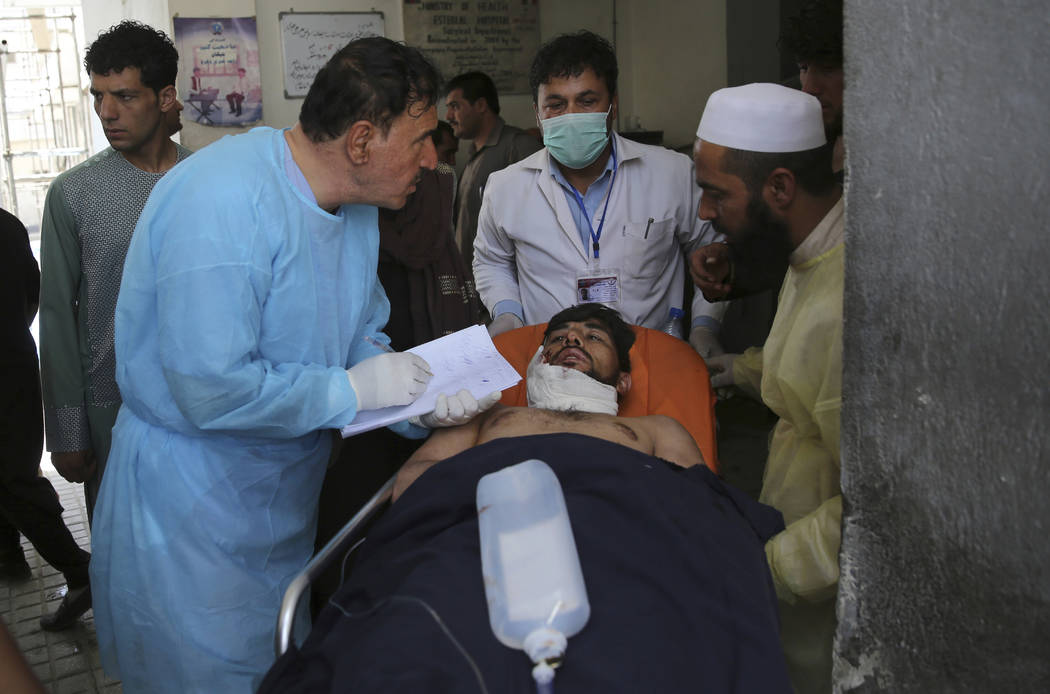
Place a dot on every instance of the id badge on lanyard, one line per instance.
(597, 284)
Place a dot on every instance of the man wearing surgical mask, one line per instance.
(592, 216)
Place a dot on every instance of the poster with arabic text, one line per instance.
(219, 80)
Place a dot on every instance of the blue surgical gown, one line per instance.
(242, 303)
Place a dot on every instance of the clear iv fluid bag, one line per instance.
(528, 556)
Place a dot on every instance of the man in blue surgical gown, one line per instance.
(247, 324)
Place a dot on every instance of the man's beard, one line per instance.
(763, 236)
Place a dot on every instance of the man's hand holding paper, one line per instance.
(468, 375)
(453, 410)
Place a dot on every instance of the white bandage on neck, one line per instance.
(564, 389)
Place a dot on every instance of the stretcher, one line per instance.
(668, 378)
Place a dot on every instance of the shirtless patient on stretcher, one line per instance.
(573, 385)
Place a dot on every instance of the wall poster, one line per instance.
(219, 79)
(497, 37)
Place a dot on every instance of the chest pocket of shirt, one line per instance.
(649, 247)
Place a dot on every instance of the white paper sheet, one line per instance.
(464, 359)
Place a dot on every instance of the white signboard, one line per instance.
(497, 37)
(309, 39)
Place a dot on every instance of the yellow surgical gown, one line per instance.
(798, 375)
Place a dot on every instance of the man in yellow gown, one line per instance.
(763, 163)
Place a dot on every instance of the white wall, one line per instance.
(673, 56)
(672, 53)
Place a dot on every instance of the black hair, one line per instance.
(442, 131)
(811, 167)
(373, 79)
(815, 33)
(569, 55)
(134, 44)
(622, 333)
(475, 85)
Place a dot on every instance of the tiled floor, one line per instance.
(66, 661)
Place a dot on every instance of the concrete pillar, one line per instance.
(946, 456)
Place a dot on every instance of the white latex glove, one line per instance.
(705, 342)
(720, 367)
(385, 380)
(452, 410)
(504, 322)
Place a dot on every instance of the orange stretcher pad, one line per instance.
(668, 377)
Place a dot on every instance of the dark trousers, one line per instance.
(234, 99)
(28, 502)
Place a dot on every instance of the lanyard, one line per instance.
(596, 236)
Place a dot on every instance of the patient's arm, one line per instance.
(671, 441)
(442, 444)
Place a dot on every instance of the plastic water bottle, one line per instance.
(533, 582)
(673, 326)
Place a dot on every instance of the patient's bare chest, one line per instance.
(524, 421)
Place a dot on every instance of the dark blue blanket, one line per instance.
(681, 598)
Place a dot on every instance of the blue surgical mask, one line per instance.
(576, 139)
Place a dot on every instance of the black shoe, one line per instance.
(76, 603)
(15, 569)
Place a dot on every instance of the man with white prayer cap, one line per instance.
(763, 163)
(813, 39)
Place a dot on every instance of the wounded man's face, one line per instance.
(584, 346)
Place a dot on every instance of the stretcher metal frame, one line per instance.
(334, 551)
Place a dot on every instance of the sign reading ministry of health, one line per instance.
(497, 37)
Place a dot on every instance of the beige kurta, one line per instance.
(798, 374)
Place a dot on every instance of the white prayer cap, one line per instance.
(762, 117)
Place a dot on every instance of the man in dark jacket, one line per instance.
(28, 502)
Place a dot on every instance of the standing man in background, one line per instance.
(447, 144)
(764, 165)
(473, 112)
(594, 216)
(89, 215)
(814, 38)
